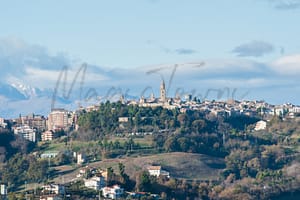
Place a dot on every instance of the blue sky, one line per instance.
(134, 33)
(250, 44)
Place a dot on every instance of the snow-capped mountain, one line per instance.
(10, 92)
(26, 90)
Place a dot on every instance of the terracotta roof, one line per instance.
(154, 168)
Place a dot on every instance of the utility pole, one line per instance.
(26, 190)
(48, 168)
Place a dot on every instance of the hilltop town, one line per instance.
(32, 125)
(107, 150)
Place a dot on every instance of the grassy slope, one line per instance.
(180, 165)
(57, 145)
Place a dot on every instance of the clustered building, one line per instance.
(60, 119)
(223, 108)
(37, 122)
(36, 127)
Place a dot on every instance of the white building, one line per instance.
(3, 190)
(95, 182)
(27, 132)
(296, 109)
(53, 189)
(80, 158)
(154, 170)
(279, 111)
(49, 154)
(113, 192)
(260, 125)
(157, 171)
(2, 122)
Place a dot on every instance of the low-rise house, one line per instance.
(96, 182)
(48, 135)
(53, 189)
(154, 170)
(49, 154)
(157, 171)
(113, 192)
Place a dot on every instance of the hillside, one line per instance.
(180, 165)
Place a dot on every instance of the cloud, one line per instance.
(16, 55)
(41, 69)
(285, 4)
(178, 51)
(253, 49)
(44, 76)
(287, 65)
(25, 63)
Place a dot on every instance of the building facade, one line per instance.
(26, 132)
(163, 95)
(58, 119)
(48, 135)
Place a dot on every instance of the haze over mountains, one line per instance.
(29, 74)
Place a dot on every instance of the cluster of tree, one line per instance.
(192, 131)
(105, 120)
(23, 168)
(256, 166)
(11, 144)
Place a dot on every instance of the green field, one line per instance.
(58, 145)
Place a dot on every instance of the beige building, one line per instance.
(163, 95)
(36, 121)
(48, 135)
(58, 119)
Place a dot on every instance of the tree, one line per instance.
(182, 118)
(143, 182)
(198, 125)
(125, 178)
(63, 158)
(110, 175)
(37, 170)
(171, 144)
(183, 143)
